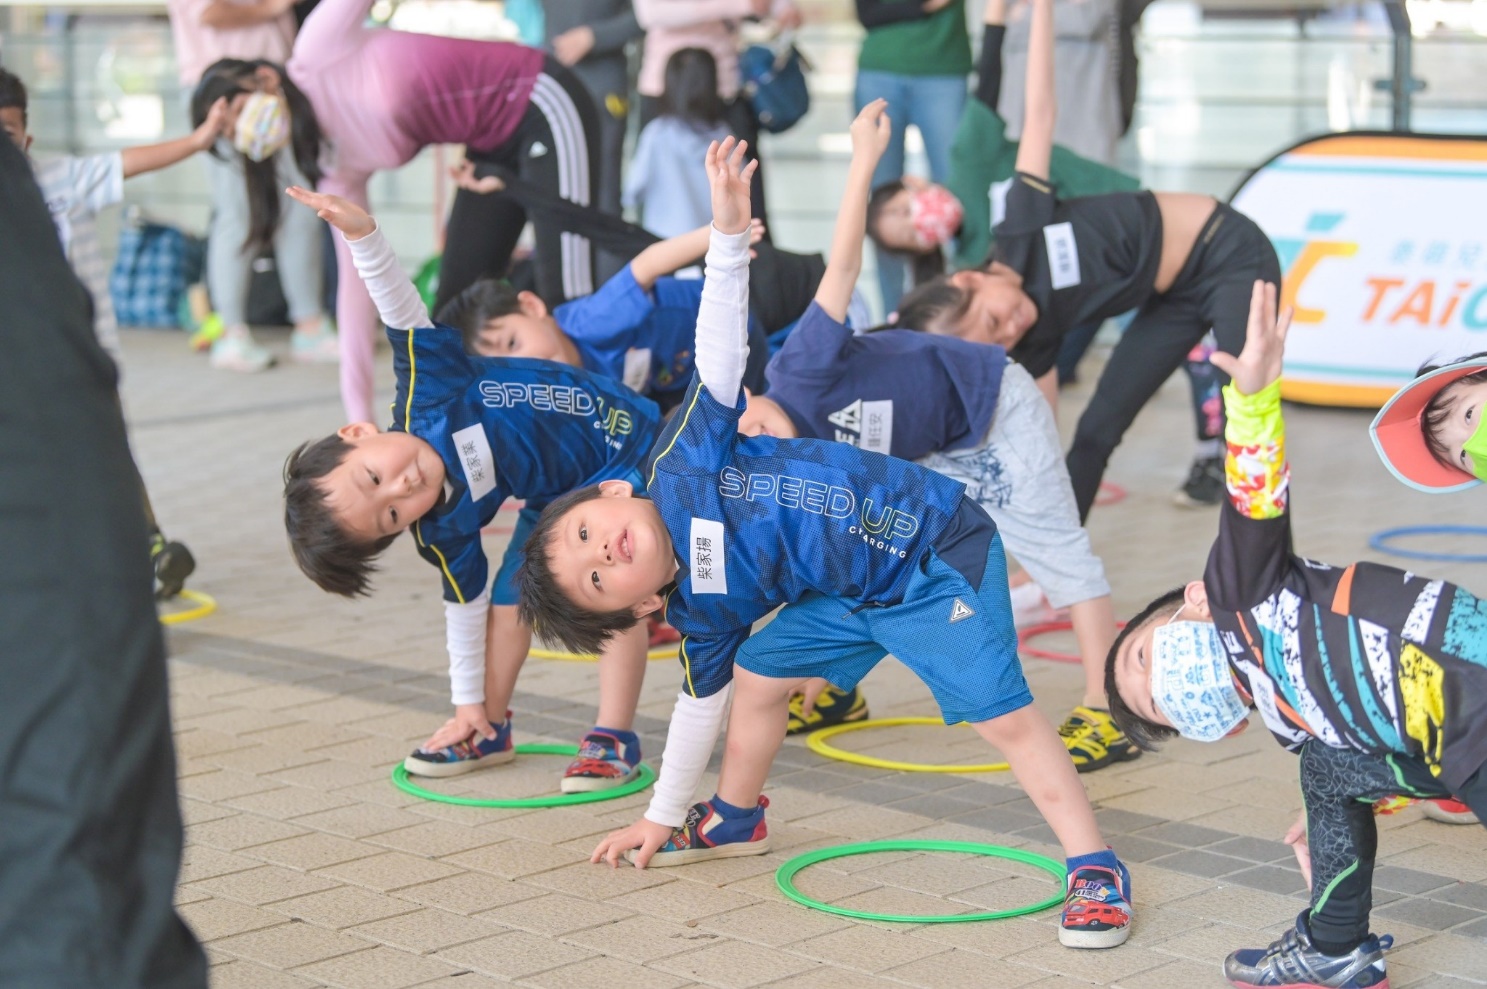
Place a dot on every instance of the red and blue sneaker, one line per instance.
(473, 753)
(1097, 908)
(707, 834)
(605, 759)
(1294, 962)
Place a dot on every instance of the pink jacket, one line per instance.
(671, 25)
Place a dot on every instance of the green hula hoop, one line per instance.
(785, 878)
(645, 778)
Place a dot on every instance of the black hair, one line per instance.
(13, 94)
(1438, 409)
(328, 555)
(923, 265)
(231, 76)
(691, 88)
(542, 604)
(481, 302)
(1146, 734)
(938, 301)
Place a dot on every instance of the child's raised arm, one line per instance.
(870, 133)
(398, 303)
(1035, 147)
(723, 318)
(1255, 467)
(674, 253)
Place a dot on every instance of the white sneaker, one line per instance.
(317, 346)
(238, 352)
(1030, 606)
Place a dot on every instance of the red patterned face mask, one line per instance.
(935, 214)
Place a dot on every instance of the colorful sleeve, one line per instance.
(1255, 467)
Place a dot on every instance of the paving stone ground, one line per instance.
(306, 867)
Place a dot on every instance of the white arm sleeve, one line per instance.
(695, 724)
(464, 633)
(723, 318)
(398, 302)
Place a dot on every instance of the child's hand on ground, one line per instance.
(343, 214)
(648, 836)
(1296, 838)
(1259, 363)
(468, 720)
(464, 177)
(213, 127)
(809, 692)
(871, 131)
(729, 178)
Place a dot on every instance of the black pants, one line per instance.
(90, 824)
(1212, 291)
(742, 124)
(556, 149)
(1340, 787)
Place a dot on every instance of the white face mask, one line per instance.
(1190, 680)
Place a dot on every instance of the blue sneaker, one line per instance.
(1294, 962)
(603, 761)
(473, 753)
(1097, 909)
(706, 835)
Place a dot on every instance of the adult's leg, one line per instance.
(1153, 347)
(935, 105)
(739, 114)
(611, 159)
(299, 251)
(559, 152)
(478, 240)
(871, 85)
(229, 263)
(90, 839)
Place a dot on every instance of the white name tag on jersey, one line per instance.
(1063, 255)
(637, 368)
(709, 567)
(877, 425)
(474, 451)
(998, 196)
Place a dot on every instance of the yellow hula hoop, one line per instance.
(668, 651)
(817, 743)
(205, 605)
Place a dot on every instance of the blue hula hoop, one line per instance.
(1380, 541)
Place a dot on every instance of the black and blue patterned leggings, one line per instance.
(1340, 787)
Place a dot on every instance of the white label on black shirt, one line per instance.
(709, 573)
(474, 451)
(868, 425)
(1063, 255)
(998, 196)
(637, 368)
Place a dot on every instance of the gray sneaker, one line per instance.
(1293, 962)
(1204, 486)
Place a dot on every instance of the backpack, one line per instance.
(774, 82)
(156, 264)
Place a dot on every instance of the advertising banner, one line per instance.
(1381, 238)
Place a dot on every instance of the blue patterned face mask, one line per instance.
(1190, 680)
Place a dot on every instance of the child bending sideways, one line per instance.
(868, 554)
(1376, 676)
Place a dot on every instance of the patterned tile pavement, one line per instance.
(306, 867)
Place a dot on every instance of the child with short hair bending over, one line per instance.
(1377, 677)
(868, 553)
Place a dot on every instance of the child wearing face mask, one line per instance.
(1375, 676)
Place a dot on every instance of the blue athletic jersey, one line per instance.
(837, 385)
(506, 428)
(645, 339)
(757, 522)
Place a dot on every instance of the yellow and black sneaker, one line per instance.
(833, 707)
(1094, 741)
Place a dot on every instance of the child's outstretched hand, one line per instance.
(647, 836)
(343, 214)
(212, 127)
(464, 177)
(729, 178)
(1259, 363)
(871, 131)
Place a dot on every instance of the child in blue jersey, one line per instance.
(467, 434)
(868, 554)
(1377, 677)
(962, 409)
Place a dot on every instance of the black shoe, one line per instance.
(173, 564)
(1204, 486)
(833, 707)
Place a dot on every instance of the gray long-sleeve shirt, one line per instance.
(605, 69)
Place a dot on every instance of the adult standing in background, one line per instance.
(671, 25)
(204, 32)
(917, 55)
(1086, 49)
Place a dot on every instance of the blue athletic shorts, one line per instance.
(958, 638)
